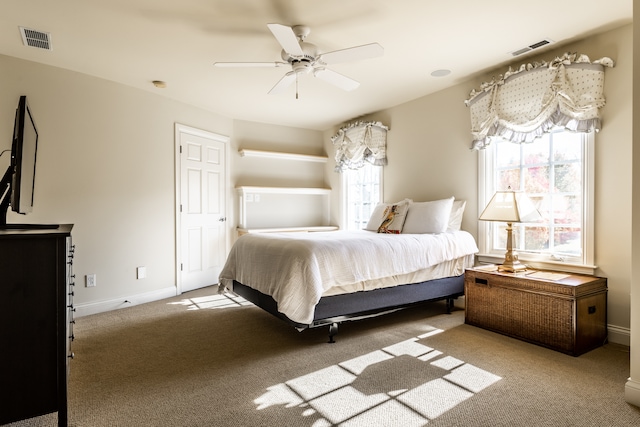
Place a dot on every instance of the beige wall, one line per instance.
(276, 172)
(429, 158)
(270, 172)
(428, 152)
(632, 389)
(106, 164)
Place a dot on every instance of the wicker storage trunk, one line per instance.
(568, 315)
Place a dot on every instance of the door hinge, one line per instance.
(181, 149)
(181, 267)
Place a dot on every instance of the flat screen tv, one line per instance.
(17, 185)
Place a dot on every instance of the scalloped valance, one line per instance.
(360, 142)
(528, 102)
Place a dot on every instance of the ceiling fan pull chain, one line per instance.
(296, 85)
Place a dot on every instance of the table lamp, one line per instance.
(510, 206)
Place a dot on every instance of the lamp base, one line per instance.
(512, 267)
(511, 263)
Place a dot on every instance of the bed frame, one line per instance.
(333, 310)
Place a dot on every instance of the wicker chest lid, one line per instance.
(568, 285)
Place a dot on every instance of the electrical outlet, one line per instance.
(141, 272)
(90, 280)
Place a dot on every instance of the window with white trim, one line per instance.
(362, 189)
(556, 172)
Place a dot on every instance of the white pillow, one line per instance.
(378, 214)
(428, 217)
(455, 220)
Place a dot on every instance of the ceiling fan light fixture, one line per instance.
(302, 67)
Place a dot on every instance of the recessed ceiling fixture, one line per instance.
(159, 83)
(441, 73)
(531, 47)
(35, 38)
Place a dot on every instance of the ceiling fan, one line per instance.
(304, 58)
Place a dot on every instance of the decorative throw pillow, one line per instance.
(393, 218)
(428, 217)
(378, 214)
(455, 220)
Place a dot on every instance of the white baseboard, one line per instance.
(632, 392)
(128, 301)
(619, 335)
(616, 334)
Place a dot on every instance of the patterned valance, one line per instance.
(360, 142)
(525, 103)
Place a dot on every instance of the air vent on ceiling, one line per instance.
(35, 38)
(532, 47)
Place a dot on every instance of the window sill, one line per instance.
(541, 265)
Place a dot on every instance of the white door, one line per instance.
(201, 207)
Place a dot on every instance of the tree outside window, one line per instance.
(551, 170)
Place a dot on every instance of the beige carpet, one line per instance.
(198, 360)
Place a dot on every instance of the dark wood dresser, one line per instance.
(563, 311)
(36, 315)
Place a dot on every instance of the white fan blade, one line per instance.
(337, 79)
(249, 64)
(284, 82)
(356, 53)
(286, 38)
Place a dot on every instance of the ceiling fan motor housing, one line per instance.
(309, 50)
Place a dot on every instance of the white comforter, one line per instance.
(296, 269)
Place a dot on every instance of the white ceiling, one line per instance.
(136, 41)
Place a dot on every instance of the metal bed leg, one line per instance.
(333, 330)
(449, 305)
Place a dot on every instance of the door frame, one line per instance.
(180, 128)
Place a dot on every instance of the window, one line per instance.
(362, 189)
(556, 172)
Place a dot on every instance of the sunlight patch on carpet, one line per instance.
(472, 378)
(345, 403)
(350, 394)
(359, 364)
(434, 398)
(216, 301)
(320, 382)
(278, 395)
(409, 347)
(390, 413)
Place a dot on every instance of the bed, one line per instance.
(326, 278)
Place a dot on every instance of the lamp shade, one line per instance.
(510, 206)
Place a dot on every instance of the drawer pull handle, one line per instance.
(480, 281)
(592, 309)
